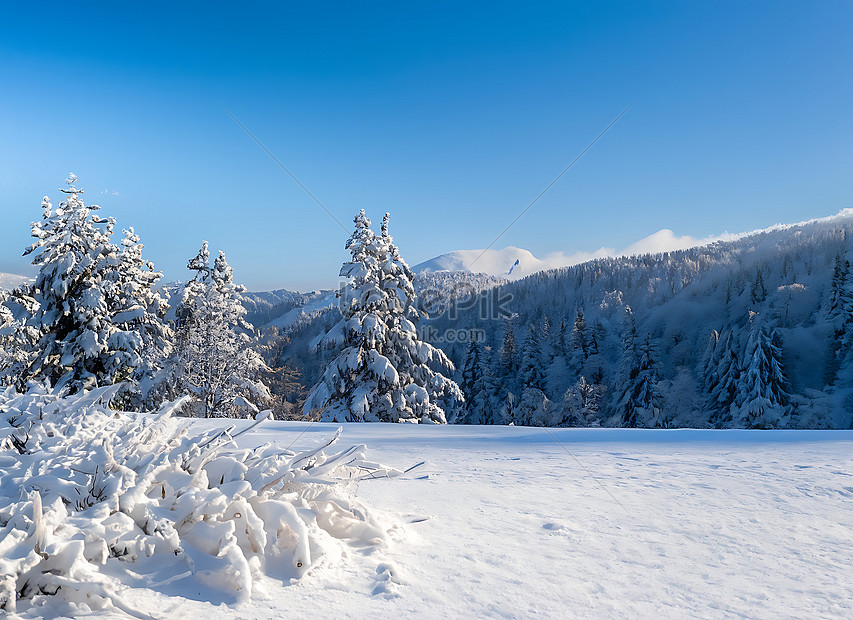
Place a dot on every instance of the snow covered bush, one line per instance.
(93, 499)
(384, 373)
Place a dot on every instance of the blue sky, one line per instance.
(452, 116)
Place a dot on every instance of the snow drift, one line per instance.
(93, 500)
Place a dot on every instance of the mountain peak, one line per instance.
(510, 262)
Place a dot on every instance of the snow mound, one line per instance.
(94, 500)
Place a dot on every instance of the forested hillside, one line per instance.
(752, 333)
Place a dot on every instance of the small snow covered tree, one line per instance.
(138, 310)
(17, 339)
(765, 393)
(385, 372)
(581, 404)
(214, 358)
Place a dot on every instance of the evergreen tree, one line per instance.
(475, 387)
(214, 358)
(758, 292)
(581, 405)
(531, 364)
(642, 402)
(87, 338)
(628, 365)
(507, 362)
(534, 407)
(840, 316)
(725, 381)
(139, 311)
(427, 394)
(837, 289)
(707, 369)
(17, 339)
(764, 391)
(384, 372)
(579, 336)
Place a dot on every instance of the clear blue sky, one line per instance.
(453, 117)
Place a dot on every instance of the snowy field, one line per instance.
(701, 524)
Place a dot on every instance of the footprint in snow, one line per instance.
(388, 580)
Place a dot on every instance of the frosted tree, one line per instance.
(138, 310)
(581, 404)
(17, 339)
(706, 370)
(534, 407)
(475, 387)
(507, 365)
(214, 358)
(642, 402)
(580, 341)
(531, 362)
(81, 344)
(425, 393)
(840, 317)
(724, 383)
(764, 399)
(628, 365)
(384, 372)
(758, 292)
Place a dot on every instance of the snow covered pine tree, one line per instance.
(93, 305)
(384, 372)
(214, 359)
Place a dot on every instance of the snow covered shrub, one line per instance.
(92, 500)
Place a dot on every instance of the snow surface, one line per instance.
(722, 524)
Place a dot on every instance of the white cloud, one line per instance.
(561, 259)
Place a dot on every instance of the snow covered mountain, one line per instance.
(282, 307)
(755, 332)
(510, 262)
(9, 281)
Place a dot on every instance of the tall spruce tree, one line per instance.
(384, 372)
(764, 399)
